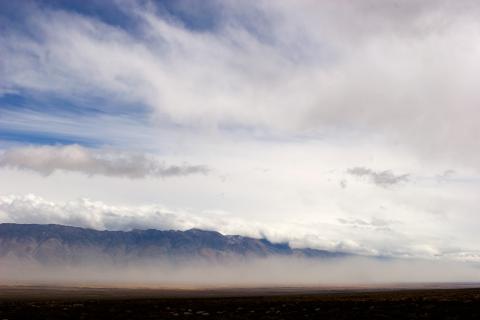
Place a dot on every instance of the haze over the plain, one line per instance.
(238, 273)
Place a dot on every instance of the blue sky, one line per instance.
(337, 125)
(15, 17)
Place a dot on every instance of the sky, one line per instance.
(339, 125)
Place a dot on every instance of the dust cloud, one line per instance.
(251, 272)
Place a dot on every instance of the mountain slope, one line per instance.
(73, 245)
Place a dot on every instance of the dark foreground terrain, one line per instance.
(74, 303)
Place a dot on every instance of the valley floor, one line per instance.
(22, 302)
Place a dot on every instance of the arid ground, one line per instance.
(408, 302)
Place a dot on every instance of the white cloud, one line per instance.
(48, 159)
(405, 71)
(303, 89)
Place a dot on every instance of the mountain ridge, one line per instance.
(54, 243)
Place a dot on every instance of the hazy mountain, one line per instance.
(73, 245)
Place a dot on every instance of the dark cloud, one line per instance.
(384, 178)
(48, 159)
(446, 175)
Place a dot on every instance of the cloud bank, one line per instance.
(374, 237)
(48, 159)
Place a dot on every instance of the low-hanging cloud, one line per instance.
(366, 237)
(100, 216)
(384, 178)
(48, 159)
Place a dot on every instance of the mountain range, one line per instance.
(50, 244)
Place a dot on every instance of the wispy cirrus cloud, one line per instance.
(289, 66)
(75, 158)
